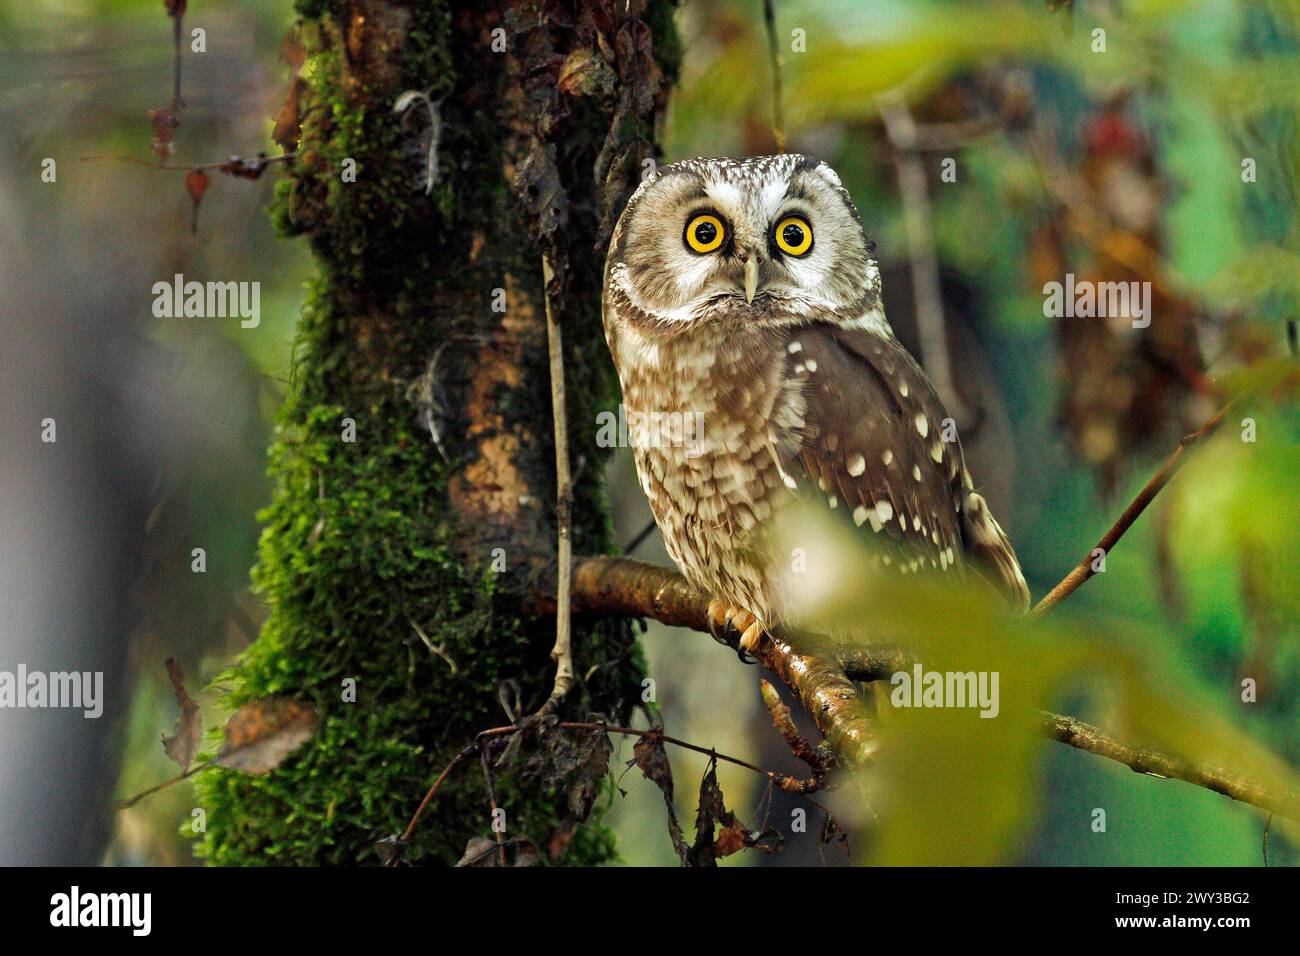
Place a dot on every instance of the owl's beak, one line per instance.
(751, 277)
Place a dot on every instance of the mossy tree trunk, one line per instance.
(377, 553)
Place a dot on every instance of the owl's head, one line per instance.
(770, 240)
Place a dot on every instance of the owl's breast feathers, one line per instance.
(842, 416)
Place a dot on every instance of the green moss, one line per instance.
(358, 548)
(354, 555)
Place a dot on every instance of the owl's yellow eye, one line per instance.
(705, 233)
(793, 235)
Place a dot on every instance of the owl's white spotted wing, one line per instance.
(873, 442)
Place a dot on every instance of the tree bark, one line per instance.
(382, 557)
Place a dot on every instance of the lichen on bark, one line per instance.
(368, 544)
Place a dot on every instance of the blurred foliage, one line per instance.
(957, 785)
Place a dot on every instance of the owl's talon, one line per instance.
(730, 624)
(747, 649)
(719, 620)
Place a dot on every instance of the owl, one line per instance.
(742, 309)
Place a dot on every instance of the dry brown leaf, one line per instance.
(263, 732)
(196, 184)
(288, 122)
(292, 50)
(482, 852)
(585, 73)
(730, 840)
(183, 743)
(652, 759)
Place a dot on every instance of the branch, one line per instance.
(1072, 731)
(562, 653)
(1084, 570)
(621, 587)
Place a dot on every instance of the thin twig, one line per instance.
(231, 163)
(774, 55)
(177, 31)
(434, 648)
(780, 780)
(1084, 570)
(640, 537)
(132, 801)
(433, 790)
(562, 654)
(492, 799)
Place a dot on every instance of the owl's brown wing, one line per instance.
(874, 443)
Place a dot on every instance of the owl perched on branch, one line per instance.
(743, 295)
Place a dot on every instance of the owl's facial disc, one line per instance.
(772, 240)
